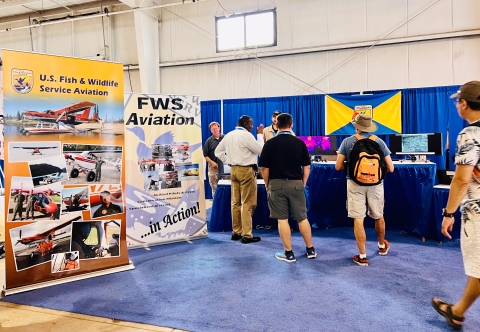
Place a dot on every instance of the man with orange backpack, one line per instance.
(367, 160)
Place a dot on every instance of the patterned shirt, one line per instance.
(468, 153)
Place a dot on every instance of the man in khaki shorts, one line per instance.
(465, 189)
(358, 196)
(285, 176)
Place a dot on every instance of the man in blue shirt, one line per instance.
(358, 196)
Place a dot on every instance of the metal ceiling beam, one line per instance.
(60, 10)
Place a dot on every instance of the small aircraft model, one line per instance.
(35, 150)
(44, 203)
(52, 128)
(85, 163)
(43, 242)
(49, 178)
(44, 236)
(67, 114)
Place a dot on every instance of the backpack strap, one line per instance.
(374, 137)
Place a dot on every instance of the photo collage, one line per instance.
(67, 183)
(167, 166)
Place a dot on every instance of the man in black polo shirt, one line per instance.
(215, 165)
(285, 176)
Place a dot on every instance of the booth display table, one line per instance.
(408, 200)
(221, 218)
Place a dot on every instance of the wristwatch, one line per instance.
(446, 214)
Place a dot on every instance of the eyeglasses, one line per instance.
(457, 101)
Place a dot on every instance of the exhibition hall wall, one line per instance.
(323, 46)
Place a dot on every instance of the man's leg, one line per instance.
(285, 234)
(306, 231)
(213, 178)
(248, 189)
(236, 203)
(470, 294)
(360, 236)
(380, 229)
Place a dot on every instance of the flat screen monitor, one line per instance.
(408, 144)
(320, 145)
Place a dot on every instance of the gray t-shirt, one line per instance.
(347, 145)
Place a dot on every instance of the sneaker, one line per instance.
(253, 239)
(311, 253)
(360, 261)
(283, 257)
(384, 251)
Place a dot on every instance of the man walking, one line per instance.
(465, 190)
(98, 169)
(285, 176)
(360, 195)
(215, 165)
(18, 200)
(242, 151)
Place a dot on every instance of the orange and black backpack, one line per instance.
(366, 162)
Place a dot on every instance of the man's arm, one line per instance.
(458, 190)
(265, 175)
(220, 151)
(305, 174)
(389, 162)
(211, 162)
(256, 146)
(340, 164)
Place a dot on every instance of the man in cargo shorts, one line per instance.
(358, 196)
(465, 189)
(285, 176)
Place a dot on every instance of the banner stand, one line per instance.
(16, 290)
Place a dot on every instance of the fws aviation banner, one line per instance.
(385, 109)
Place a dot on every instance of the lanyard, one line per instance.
(284, 133)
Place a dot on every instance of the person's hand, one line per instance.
(214, 164)
(260, 129)
(447, 226)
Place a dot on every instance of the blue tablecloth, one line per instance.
(408, 197)
(440, 198)
(408, 200)
(221, 218)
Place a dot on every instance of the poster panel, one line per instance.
(165, 198)
(64, 139)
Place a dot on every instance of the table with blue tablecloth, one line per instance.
(408, 200)
(221, 218)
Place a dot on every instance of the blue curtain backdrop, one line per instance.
(424, 110)
(211, 111)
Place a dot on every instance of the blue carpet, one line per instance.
(216, 284)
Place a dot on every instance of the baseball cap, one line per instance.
(469, 91)
(277, 112)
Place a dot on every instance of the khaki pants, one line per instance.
(213, 177)
(244, 199)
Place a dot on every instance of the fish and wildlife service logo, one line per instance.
(22, 80)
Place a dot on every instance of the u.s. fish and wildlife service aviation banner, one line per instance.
(164, 161)
(385, 109)
(64, 142)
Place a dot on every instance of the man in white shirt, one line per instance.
(242, 151)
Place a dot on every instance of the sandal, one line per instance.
(448, 314)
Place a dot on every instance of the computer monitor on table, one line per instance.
(320, 145)
(416, 144)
